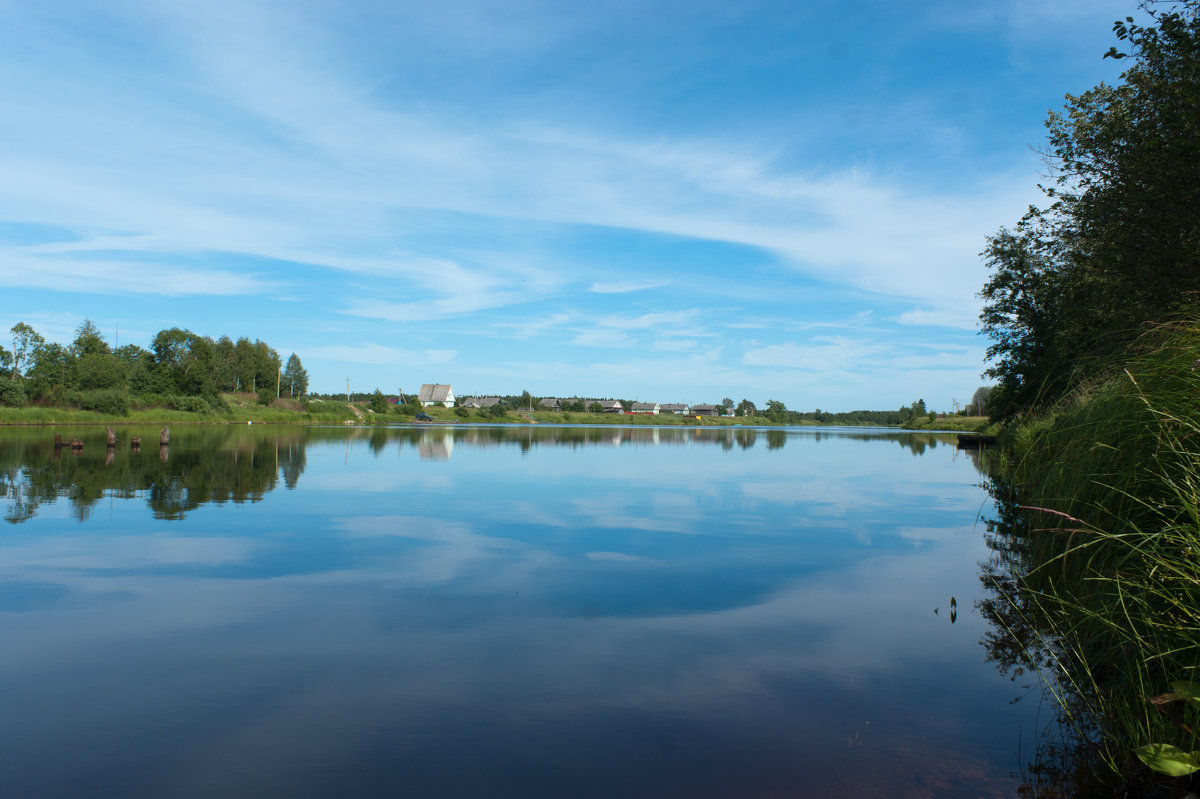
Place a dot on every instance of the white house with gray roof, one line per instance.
(433, 393)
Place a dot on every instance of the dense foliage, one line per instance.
(182, 370)
(1118, 246)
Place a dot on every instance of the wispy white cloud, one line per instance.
(837, 353)
(366, 352)
(921, 316)
(850, 226)
(431, 189)
(676, 345)
(21, 268)
(602, 338)
(621, 287)
(438, 356)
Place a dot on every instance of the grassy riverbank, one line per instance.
(1109, 481)
(962, 424)
(238, 414)
(241, 411)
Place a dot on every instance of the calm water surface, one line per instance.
(480, 612)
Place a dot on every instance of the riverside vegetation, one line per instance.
(1093, 313)
(188, 378)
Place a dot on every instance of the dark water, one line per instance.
(498, 612)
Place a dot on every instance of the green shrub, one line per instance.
(379, 403)
(215, 400)
(105, 400)
(12, 393)
(150, 400)
(189, 404)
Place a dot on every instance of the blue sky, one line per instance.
(669, 201)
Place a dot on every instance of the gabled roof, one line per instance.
(479, 402)
(673, 406)
(549, 402)
(435, 392)
(644, 406)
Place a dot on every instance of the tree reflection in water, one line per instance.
(233, 463)
(202, 465)
(1068, 760)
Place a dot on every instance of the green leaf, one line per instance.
(1189, 691)
(1169, 760)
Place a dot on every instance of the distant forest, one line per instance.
(182, 370)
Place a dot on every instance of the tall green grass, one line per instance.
(1110, 480)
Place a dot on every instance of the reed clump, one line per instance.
(1109, 481)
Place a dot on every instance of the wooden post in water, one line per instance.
(110, 439)
(135, 443)
(164, 436)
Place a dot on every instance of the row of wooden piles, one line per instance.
(135, 442)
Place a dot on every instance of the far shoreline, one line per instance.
(356, 416)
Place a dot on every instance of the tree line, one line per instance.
(775, 410)
(182, 370)
(1117, 245)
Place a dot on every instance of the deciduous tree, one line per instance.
(25, 343)
(1119, 242)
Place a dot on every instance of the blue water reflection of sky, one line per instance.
(670, 619)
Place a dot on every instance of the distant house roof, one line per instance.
(673, 407)
(550, 403)
(479, 402)
(644, 407)
(705, 410)
(612, 406)
(436, 392)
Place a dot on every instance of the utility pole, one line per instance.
(347, 389)
(278, 380)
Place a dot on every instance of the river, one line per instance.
(499, 611)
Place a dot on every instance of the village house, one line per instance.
(676, 408)
(479, 402)
(611, 406)
(645, 407)
(550, 404)
(705, 410)
(433, 393)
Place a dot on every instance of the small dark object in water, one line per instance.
(974, 440)
(58, 442)
(135, 443)
(164, 437)
(76, 444)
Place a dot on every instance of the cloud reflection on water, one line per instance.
(639, 634)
